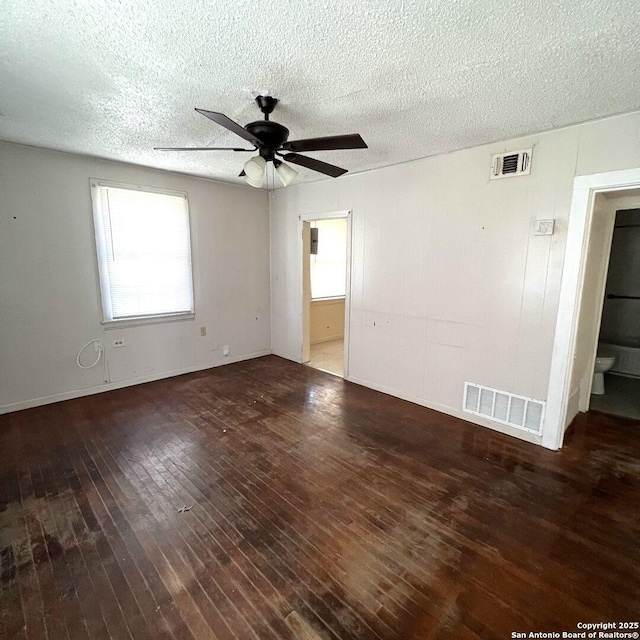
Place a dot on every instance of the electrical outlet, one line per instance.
(225, 349)
(203, 331)
(117, 343)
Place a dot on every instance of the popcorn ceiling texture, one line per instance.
(114, 78)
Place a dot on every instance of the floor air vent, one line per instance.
(508, 408)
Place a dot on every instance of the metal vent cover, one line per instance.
(513, 163)
(507, 408)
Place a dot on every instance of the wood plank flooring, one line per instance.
(315, 509)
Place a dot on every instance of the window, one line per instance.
(329, 265)
(144, 252)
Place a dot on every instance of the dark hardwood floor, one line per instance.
(269, 500)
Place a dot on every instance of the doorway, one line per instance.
(596, 200)
(325, 271)
(616, 383)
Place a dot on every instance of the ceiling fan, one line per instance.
(270, 139)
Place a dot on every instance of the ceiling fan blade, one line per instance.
(329, 143)
(315, 165)
(200, 149)
(228, 123)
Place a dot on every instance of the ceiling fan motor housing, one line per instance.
(271, 134)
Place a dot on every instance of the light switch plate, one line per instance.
(544, 227)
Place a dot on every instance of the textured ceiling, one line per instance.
(114, 78)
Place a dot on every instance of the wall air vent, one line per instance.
(508, 165)
(507, 408)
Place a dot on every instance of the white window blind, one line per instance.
(329, 265)
(144, 252)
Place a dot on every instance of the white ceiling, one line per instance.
(416, 78)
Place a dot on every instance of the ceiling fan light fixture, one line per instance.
(286, 173)
(255, 168)
(254, 182)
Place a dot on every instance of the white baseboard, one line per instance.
(112, 386)
(287, 356)
(456, 413)
(329, 339)
(573, 407)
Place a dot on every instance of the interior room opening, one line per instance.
(606, 371)
(325, 288)
(616, 382)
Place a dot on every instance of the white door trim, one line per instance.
(585, 188)
(584, 397)
(328, 215)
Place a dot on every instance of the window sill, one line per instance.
(136, 322)
(332, 300)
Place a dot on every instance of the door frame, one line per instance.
(609, 209)
(304, 317)
(584, 392)
(585, 190)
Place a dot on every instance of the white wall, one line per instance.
(326, 320)
(49, 292)
(448, 281)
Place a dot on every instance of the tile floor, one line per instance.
(621, 398)
(328, 356)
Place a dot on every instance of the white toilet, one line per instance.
(602, 364)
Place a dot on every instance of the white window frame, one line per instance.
(105, 290)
